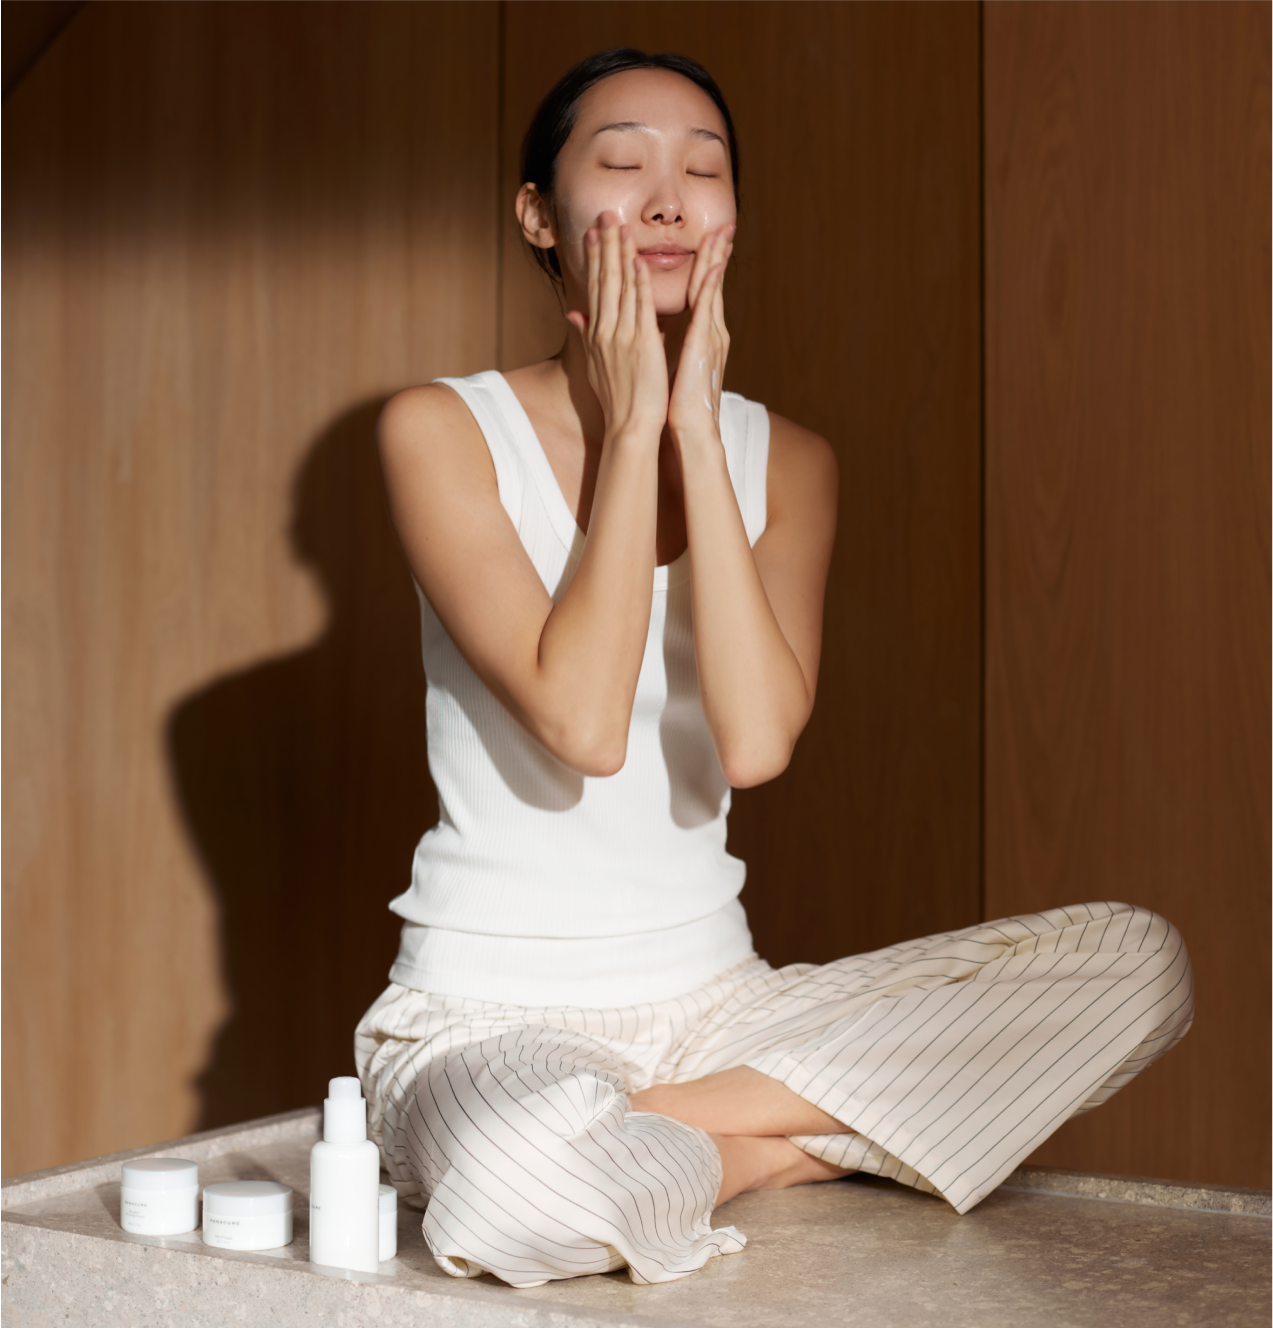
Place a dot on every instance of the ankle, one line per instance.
(755, 1162)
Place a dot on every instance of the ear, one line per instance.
(536, 217)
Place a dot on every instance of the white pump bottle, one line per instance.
(344, 1184)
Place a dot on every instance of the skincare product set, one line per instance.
(353, 1219)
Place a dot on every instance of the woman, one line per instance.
(621, 570)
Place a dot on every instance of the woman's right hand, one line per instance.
(626, 363)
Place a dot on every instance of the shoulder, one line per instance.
(429, 440)
(417, 417)
(803, 472)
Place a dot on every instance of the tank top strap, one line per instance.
(483, 393)
(515, 445)
(745, 433)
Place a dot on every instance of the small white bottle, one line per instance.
(344, 1184)
(388, 1223)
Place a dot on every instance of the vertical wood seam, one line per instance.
(981, 459)
(501, 30)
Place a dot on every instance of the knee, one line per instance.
(520, 1080)
(1166, 964)
(1144, 931)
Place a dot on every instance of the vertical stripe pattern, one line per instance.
(950, 1058)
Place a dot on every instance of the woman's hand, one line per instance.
(626, 363)
(694, 405)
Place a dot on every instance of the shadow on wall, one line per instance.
(304, 785)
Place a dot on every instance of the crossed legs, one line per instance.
(749, 1116)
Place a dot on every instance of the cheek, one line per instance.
(582, 208)
(712, 209)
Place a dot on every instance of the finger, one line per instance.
(726, 248)
(702, 261)
(718, 302)
(628, 290)
(592, 242)
(706, 320)
(702, 316)
(645, 315)
(709, 254)
(611, 276)
(713, 294)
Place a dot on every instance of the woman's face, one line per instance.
(650, 147)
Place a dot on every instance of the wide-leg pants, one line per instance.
(950, 1058)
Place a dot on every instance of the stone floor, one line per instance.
(1054, 1248)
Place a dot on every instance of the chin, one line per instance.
(671, 295)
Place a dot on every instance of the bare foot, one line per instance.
(741, 1101)
(767, 1162)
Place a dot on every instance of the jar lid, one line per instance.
(388, 1199)
(160, 1173)
(250, 1198)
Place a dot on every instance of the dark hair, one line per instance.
(557, 113)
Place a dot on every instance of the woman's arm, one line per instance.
(568, 672)
(757, 614)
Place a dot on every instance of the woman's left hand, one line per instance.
(694, 404)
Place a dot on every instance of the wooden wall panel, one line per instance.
(230, 231)
(853, 306)
(29, 28)
(1127, 537)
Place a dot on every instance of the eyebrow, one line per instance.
(625, 126)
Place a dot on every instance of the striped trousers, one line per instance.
(950, 1058)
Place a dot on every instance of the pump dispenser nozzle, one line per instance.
(344, 1112)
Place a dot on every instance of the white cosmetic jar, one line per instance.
(247, 1215)
(159, 1196)
(388, 1223)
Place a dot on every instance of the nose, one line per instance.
(663, 214)
(663, 207)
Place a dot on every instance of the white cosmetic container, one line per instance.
(388, 1223)
(344, 1184)
(247, 1215)
(159, 1196)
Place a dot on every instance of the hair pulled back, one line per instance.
(557, 113)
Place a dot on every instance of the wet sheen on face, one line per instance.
(649, 146)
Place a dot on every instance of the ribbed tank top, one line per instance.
(540, 885)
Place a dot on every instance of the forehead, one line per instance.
(665, 102)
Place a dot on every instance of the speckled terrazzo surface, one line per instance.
(1041, 1250)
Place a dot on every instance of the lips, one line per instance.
(666, 257)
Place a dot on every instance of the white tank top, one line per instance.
(540, 885)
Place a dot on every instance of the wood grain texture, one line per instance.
(853, 306)
(230, 231)
(1127, 532)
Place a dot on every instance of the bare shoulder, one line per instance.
(804, 476)
(419, 417)
(432, 448)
